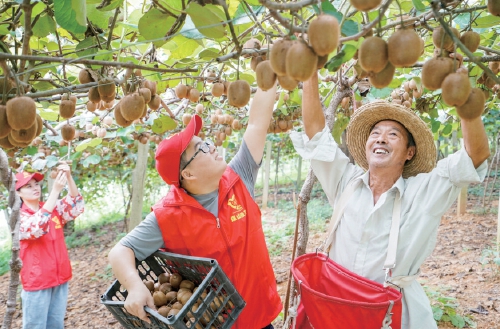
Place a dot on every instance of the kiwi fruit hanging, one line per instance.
(94, 95)
(277, 55)
(365, 5)
(84, 76)
(120, 120)
(39, 125)
(181, 91)
(301, 61)
(471, 40)
(217, 89)
(383, 78)
(4, 125)
(287, 83)
(151, 85)
(255, 61)
(324, 33)
(474, 106)
(68, 132)
(252, 44)
(194, 95)
(266, 78)
(106, 87)
(25, 135)
(5, 143)
(373, 54)
(494, 7)
(132, 106)
(238, 93)
(404, 48)
(455, 89)
(66, 109)
(322, 61)
(146, 94)
(435, 70)
(155, 102)
(21, 112)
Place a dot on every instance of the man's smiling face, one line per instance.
(387, 146)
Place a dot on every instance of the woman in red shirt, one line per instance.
(46, 267)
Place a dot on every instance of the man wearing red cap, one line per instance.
(46, 266)
(209, 212)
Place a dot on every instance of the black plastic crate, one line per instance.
(204, 273)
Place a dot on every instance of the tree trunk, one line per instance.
(276, 178)
(138, 181)
(267, 171)
(7, 178)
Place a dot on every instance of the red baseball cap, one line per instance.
(168, 154)
(24, 177)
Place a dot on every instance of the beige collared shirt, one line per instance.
(361, 240)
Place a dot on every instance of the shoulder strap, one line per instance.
(390, 261)
(339, 211)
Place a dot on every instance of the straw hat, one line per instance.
(365, 117)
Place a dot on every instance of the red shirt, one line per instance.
(235, 239)
(45, 257)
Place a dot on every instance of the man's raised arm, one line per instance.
(261, 112)
(312, 112)
(475, 140)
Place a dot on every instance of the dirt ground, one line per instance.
(455, 269)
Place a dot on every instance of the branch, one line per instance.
(110, 35)
(56, 91)
(93, 62)
(231, 27)
(292, 6)
(236, 54)
(489, 50)
(368, 27)
(27, 33)
(486, 69)
(49, 127)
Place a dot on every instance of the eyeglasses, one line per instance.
(204, 147)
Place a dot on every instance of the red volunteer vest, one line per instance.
(238, 244)
(46, 262)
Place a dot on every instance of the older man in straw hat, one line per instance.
(396, 149)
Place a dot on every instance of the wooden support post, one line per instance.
(267, 170)
(462, 201)
(498, 226)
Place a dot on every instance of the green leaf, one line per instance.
(71, 15)
(44, 26)
(162, 124)
(182, 47)
(487, 21)
(88, 47)
(209, 53)
(343, 56)
(447, 129)
(91, 159)
(98, 17)
(89, 142)
(52, 160)
(109, 5)
(339, 126)
(247, 77)
(349, 27)
(418, 5)
(154, 25)
(49, 115)
(206, 20)
(4, 30)
(437, 313)
(435, 126)
(457, 321)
